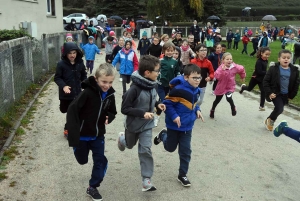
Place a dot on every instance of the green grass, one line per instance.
(249, 63)
(257, 23)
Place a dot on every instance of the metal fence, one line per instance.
(24, 61)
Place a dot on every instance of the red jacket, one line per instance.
(245, 39)
(207, 70)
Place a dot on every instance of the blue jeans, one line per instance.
(294, 134)
(100, 161)
(182, 138)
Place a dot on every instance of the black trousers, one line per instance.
(279, 103)
(125, 80)
(253, 82)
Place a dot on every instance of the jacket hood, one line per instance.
(142, 81)
(91, 83)
(92, 37)
(180, 80)
(69, 46)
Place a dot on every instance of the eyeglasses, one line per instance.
(203, 50)
(196, 78)
(157, 71)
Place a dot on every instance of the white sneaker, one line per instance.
(121, 138)
(156, 120)
(147, 185)
(120, 79)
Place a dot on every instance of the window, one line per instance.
(51, 7)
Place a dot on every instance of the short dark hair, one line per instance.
(284, 51)
(147, 62)
(110, 38)
(198, 47)
(191, 68)
(223, 45)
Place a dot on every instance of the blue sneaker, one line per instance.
(279, 129)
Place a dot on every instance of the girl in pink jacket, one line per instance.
(225, 74)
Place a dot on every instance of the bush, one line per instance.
(12, 34)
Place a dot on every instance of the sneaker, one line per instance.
(157, 138)
(269, 124)
(94, 194)
(262, 109)
(156, 120)
(66, 134)
(184, 181)
(233, 112)
(279, 129)
(242, 88)
(212, 114)
(147, 185)
(120, 79)
(120, 145)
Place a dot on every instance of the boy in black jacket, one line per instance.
(281, 84)
(70, 72)
(144, 43)
(87, 116)
(138, 106)
(155, 48)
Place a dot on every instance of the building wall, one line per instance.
(12, 12)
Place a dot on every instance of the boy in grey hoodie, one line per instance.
(138, 106)
(110, 43)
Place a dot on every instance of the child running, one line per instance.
(225, 74)
(138, 106)
(90, 50)
(128, 63)
(215, 58)
(281, 84)
(258, 75)
(283, 128)
(87, 116)
(207, 70)
(181, 113)
(186, 53)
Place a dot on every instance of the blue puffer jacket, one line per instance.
(90, 50)
(128, 62)
(181, 102)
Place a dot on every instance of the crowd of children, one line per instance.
(171, 76)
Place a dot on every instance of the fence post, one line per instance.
(27, 52)
(186, 31)
(45, 53)
(6, 63)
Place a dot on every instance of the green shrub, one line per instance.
(12, 34)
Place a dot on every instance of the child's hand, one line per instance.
(199, 115)
(207, 79)
(162, 106)
(67, 89)
(177, 121)
(272, 96)
(108, 60)
(148, 115)
(106, 121)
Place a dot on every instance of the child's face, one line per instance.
(125, 34)
(121, 42)
(223, 49)
(105, 82)
(91, 40)
(218, 49)
(227, 61)
(184, 44)
(152, 75)
(178, 36)
(285, 59)
(155, 41)
(292, 36)
(155, 35)
(110, 42)
(72, 55)
(69, 39)
(202, 52)
(169, 52)
(166, 39)
(265, 55)
(128, 35)
(144, 37)
(193, 79)
(127, 46)
(191, 39)
(175, 54)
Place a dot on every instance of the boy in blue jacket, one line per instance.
(144, 44)
(181, 113)
(90, 50)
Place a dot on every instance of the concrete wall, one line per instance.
(12, 12)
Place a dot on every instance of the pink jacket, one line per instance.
(226, 78)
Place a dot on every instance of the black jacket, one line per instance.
(154, 50)
(68, 74)
(271, 81)
(115, 52)
(195, 31)
(71, 26)
(87, 113)
(260, 69)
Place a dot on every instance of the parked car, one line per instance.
(76, 16)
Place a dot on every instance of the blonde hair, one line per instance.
(105, 69)
(164, 36)
(225, 55)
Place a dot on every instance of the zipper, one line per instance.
(99, 113)
(81, 125)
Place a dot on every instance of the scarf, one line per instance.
(185, 48)
(125, 50)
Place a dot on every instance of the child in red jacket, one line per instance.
(245, 40)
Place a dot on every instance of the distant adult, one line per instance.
(229, 38)
(72, 26)
(166, 23)
(202, 35)
(132, 24)
(91, 23)
(195, 30)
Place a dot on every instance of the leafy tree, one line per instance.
(122, 8)
(215, 7)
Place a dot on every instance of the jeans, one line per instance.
(253, 82)
(294, 134)
(279, 103)
(183, 139)
(200, 100)
(245, 49)
(229, 45)
(235, 45)
(100, 161)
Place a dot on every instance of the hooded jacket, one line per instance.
(271, 81)
(181, 102)
(90, 50)
(226, 78)
(206, 70)
(71, 26)
(143, 46)
(128, 62)
(139, 99)
(87, 113)
(68, 74)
